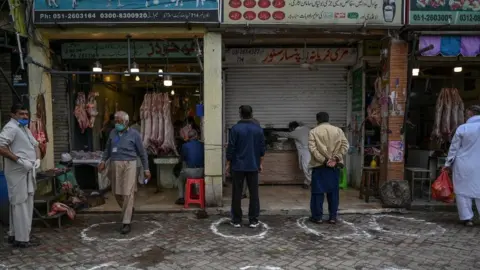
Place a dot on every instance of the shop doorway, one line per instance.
(171, 74)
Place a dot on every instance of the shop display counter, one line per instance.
(281, 167)
(165, 176)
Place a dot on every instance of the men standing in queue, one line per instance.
(299, 133)
(22, 154)
(192, 155)
(462, 160)
(123, 147)
(245, 151)
(327, 145)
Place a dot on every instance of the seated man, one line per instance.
(69, 177)
(192, 155)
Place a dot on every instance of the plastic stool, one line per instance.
(189, 199)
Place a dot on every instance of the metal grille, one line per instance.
(279, 95)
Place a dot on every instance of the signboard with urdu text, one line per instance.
(125, 11)
(289, 56)
(308, 12)
(139, 50)
(443, 12)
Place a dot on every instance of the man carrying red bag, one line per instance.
(462, 161)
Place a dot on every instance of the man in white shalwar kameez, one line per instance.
(299, 133)
(463, 160)
(22, 154)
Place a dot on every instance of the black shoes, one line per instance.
(126, 229)
(18, 244)
(316, 221)
(468, 223)
(180, 201)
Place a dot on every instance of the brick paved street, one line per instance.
(179, 241)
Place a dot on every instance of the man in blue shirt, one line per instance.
(246, 148)
(192, 154)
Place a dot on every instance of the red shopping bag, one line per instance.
(442, 188)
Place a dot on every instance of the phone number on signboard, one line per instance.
(432, 18)
(74, 16)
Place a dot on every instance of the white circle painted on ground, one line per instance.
(214, 229)
(85, 237)
(356, 231)
(376, 227)
(261, 267)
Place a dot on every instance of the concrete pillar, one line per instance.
(395, 77)
(39, 82)
(212, 125)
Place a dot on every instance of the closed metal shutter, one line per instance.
(279, 95)
(61, 114)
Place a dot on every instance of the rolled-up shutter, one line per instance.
(282, 94)
(61, 114)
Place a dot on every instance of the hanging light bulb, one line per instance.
(134, 68)
(173, 92)
(126, 73)
(167, 80)
(160, 73)
(97, 67)
(457, 69)
(137, 78)
(415, 71)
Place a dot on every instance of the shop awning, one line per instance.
(468, 46)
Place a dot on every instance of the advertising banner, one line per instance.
(125, 11)
(289, 56)
(442, 12)
(310, 12)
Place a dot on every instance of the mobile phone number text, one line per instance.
(433, 18)
(103, 15)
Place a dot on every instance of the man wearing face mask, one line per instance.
(22, 154)
(124, 146)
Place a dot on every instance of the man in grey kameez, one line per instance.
(22, 154)
(124, 146)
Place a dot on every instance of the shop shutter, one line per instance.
(61, 114)
(279, 95)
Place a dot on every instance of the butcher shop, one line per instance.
(445, 81)
(158, 83)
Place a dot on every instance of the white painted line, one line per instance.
(85, 237)
(103, 265)
(376, 227)
(214, 229)
(394, 268)
(356, 231)
(3, 266)
(261, 267)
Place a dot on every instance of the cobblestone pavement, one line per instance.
(180, 241)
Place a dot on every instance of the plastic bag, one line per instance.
(442, 188)
(103, 177)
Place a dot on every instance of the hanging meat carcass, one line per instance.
(92, 108)
(147, 115)
(449, 114)
(155, 113)
(41, 115)
(80, 112)
(161, 125)
(168, 145)
(38, 132)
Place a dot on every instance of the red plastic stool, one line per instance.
(189, 199)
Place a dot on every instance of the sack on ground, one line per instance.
(442, 188)
(103, 177)
(395, 194)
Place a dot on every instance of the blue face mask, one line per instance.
(23, 122)
(119, 127)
